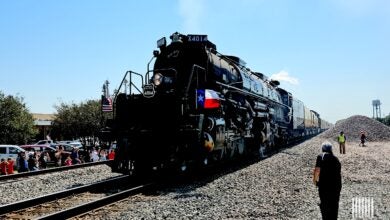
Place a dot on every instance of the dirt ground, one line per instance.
(366, 173)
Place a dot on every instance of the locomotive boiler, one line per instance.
(196, 106)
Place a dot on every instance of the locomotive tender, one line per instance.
(197, 106)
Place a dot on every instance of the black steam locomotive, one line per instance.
(197, 106)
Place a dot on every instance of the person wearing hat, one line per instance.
(327, 177)
(341, 139)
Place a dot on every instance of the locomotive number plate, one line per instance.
(197, 38)
(149, 91)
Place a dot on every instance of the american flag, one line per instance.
(106, 104)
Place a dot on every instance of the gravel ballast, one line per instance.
(34, 186)
(278, 187)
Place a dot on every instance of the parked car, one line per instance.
(76, 144)
(31, 148)
(44, 142)
(65, 147)
(10, 151)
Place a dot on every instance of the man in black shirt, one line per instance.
(327, 177)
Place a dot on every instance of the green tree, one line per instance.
(77, 121)
(386, 120)
(16, 122)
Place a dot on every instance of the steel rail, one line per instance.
(87, 207)
(12, 207)
(51, 170)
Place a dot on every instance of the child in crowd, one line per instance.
(3, 167)
(68, 161)
(10, 166)
(94, 155)
(102, 155)
(111, 155)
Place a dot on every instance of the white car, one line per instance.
(74, 143)
(10, 151)
(44, 142)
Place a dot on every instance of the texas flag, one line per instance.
(207, 98)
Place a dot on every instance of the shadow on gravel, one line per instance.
(185, 182)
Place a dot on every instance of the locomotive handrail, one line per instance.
(192, 76)
(131, 82)
(251, 94)
(148, 70)
(227, 58)
(129, 72)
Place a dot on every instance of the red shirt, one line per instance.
(68, 162)
(10, 167)
(3, 167)
(111, 155)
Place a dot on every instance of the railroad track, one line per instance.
(89, 206)
(51, 170)
(75, 201)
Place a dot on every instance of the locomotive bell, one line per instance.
(208, 141)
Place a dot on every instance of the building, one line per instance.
(43, 123)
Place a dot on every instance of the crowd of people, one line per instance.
(32, 161)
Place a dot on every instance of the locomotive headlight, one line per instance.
(162, 42)
(157, 79)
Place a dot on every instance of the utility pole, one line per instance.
(107, 90)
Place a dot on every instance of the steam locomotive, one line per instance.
(197, 106)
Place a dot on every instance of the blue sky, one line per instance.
(334, 55)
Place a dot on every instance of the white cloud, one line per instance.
(284, 76)
(192, 12)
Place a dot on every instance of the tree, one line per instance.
(77, 121)
(386, 120)
(16, 122)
